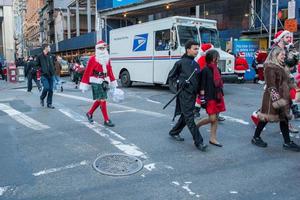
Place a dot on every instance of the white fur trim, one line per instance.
(240, 71)
(101, 45)
(260, 65)
(84, 86)
(285, 32)
(114, 84)
(98, 80)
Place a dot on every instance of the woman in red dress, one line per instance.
(212, 94)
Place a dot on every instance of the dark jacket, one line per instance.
(181, 72)
(31, 67)
(207, 84)
(46, 64)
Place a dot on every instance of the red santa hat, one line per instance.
(242, 54)
(206, 47)
(280, 34)
(101, 43)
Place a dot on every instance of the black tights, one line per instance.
(284, 127)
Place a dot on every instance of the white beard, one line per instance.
(102, 57)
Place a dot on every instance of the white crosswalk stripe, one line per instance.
(22, 118)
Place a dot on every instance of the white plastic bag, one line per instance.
(116, 95)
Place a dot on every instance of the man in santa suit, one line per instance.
(241, 66)
(100, 77)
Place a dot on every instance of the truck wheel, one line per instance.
(172, 86)
(125, 79)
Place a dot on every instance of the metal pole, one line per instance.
(89, 23)
(276, 17)
(197, 11)
(77, 19)
(270, 22)
(69, 22)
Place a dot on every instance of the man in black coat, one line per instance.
(31, 74)
(185, 102)
(46, 65)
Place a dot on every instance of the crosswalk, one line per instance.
(23, 118)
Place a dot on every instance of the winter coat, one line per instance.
(241, 65)
(276, 98)
(180, 72)
(94, 73)
(31, 68)
(46, 64)
(57, 66)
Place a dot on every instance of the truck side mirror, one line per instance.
(173, 36)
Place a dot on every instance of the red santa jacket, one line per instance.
(94, 74)
(201, 62)
(241, 65)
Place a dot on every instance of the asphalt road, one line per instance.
(48, 154)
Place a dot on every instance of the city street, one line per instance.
(48, 154)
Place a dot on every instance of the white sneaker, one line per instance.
(261, 82)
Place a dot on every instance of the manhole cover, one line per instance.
(117, 164)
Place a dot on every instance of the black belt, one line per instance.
(99, 74)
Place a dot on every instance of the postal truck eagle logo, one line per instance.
(140, 42)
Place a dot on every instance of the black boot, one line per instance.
(108, 123)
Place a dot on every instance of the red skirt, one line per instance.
(214, 107)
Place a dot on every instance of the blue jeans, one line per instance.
(47, 83)
(56, 80)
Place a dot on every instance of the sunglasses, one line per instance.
(101, 48)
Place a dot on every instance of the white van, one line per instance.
(146, 52)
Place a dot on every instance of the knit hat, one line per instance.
(101, 43)
(280, 34)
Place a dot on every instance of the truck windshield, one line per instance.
(209, 36)
(187, 33)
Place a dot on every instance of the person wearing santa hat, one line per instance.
(258, 61)
(241, 66)
(100, 77)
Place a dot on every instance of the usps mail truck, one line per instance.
(146, 52)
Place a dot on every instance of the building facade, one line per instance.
(7, 47)
(31, 23)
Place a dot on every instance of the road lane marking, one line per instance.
(150, 166)
(129, 149)
(122, 111)
(52, 170)
(156, 102)
(232, 119)
(185, 187)
(22, 118)
(146, 112)
(3, 190)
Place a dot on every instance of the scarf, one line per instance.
(218, 82)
